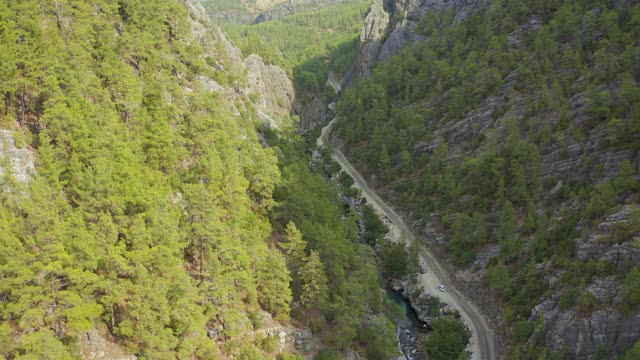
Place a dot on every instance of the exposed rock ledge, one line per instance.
(22, 160)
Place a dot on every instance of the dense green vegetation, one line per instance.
(490, 188)
(214, 6)
(129, 222)
(309, 44)
(448, 340)
(155, 213)
(337, 261)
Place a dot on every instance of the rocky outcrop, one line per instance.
(262, 5)
(246, 12)
(19, 161)
(290, 339)
(419, 299)
(257, 11)
(605, 329)
(391, 25)
(371, 37)
(94, 345)
(271, 84)
(614, 240)
(267, 87)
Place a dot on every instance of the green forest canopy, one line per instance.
(155, 213)
(583, 53)
(309, 43)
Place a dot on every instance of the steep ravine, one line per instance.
(483, 342)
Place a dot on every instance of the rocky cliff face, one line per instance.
(390, 26)
(274, 90)
(606, 326)
(267, 87)
(19, 162)
(312, 112)
(376, 25)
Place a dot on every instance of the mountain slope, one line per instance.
(257, 11)
(311, 44)
(142, 210)
(120, 104)
(509, 131)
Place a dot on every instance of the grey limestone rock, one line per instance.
(375, 27)
(266, 85)
(95, 346)
(582, 334)
(275, 90)
(22, 161)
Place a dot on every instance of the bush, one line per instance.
(269, 343)
(394, 259)
(287, 356)
(633, 353)
(568, 299)
(249, 352)
(588, 302)
(521, 330)
(328, 354)
(631, 290)
(434, 305)
(375, 229)
(448, 340)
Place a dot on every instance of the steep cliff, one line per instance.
(276, 11)
(267, 87)
(372, 37)
(543, 96)
(391, 25)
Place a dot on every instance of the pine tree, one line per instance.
(379, 155)
(273, 281)
(498, 277)
(601, 200)
(529, 225)
(506, 233)
(294, 247)
(626, 180)
(314, 282)
(519, 193)
(540, 244)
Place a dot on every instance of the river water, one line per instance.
(409, 327)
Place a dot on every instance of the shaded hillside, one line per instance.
(510, 132)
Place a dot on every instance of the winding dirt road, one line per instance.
(482, 343)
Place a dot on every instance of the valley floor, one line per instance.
(482, 343)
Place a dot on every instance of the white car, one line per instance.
(441, 288)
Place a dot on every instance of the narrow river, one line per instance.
(409, 327)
